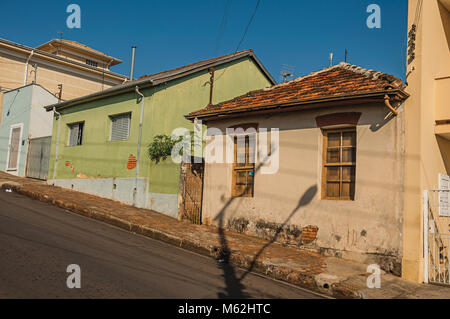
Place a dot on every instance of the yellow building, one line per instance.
(67, 69)
(427, 139)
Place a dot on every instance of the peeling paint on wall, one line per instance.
(285, 234)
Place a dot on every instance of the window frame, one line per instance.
(111, 126)
(79, 138)
(248, 167)
(325, 164)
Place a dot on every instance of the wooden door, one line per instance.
(192, 192)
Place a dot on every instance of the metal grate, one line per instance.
(120, 127)
(436, 238)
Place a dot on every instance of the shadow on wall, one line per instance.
(445, 18)
(444, 147)
(234, 287)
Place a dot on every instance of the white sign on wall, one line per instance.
(444, 197)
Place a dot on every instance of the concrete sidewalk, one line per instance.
(332, 276)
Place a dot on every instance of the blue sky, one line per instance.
(172, 33)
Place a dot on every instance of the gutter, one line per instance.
(25, 80)
(115, 90)
(139, 143)
(57, 142)
(389, 106)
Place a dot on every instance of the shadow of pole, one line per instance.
(233, 285)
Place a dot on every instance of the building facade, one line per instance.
(65, 68)
(337, 187)
(427, 118)
(99, 148)
(23, 119)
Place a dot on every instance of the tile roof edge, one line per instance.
(205, 113)
(374, 75)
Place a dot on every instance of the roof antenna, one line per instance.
(60, 34)
(331, 59)
(346, 53)
(286, 72)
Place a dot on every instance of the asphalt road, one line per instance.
(39, 241)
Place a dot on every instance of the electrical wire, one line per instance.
(222, 26)
(248, 25)
(244, 35)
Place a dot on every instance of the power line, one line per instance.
(244, 35)
(223, 24)
(248, 25)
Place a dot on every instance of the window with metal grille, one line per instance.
(339, 164)
(244, 166)
(120, 127)
(92, 63)
(76, 134)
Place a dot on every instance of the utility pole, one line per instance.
(60, 88)
(211, 85)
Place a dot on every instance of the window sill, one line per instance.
(339, 199)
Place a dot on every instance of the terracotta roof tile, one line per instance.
(336, 81)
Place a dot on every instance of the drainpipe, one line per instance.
(57, 143)
(26, 68)
(139, 141)
(133, 53)
(389, 106)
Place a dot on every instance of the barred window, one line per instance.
(92, 63)
(120, 127)
(76, 134)
(339, 164)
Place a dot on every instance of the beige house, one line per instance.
(427, 139)
(336, 139)
(65, 68)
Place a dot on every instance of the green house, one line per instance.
(100, 141)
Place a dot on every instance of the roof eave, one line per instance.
(102, 55)
(130, 86)
(152, 81)
(400, 94)
(52, 56)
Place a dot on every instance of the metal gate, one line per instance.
(192, 191)
(436, 237)
(39, 157)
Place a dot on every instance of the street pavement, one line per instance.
(39, 241)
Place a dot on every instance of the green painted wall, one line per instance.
(165, 107)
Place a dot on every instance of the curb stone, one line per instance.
(236, 258)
